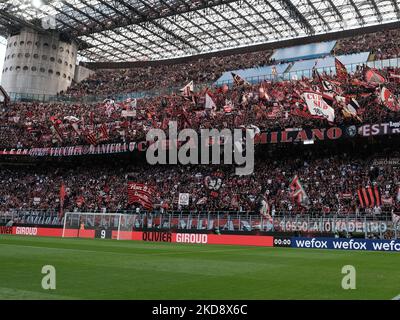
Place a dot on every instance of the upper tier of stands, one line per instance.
(165, 79)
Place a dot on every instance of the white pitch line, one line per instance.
(396, 297)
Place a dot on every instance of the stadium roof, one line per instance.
(141, 30)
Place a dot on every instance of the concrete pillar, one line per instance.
(38, 63)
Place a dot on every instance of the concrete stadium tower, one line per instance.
(38, 63)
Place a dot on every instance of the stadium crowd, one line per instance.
(383, 44)
(330, 182)
(269, 106)
(202, 70)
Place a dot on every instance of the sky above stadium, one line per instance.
(2, 53)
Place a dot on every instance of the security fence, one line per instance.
(345, 225)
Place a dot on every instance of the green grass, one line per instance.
(110, 269)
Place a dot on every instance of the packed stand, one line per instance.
(203, 70)
(330, 182)
(268, 106)
(383, 44)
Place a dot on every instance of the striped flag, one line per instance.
(91, 137)
(103, 132)
(369, 197)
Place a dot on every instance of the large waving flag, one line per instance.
(188, 89)
(317, 106)
(369, 197)
(389, 100)
(210, 104)
(351, 108)
(139, 193)
(298, 193)
(341, 71)
(238, 80)
(373, 76)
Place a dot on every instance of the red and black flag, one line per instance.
(351, 108)
(139, 193)
(298, 193)
(341, 71)
(389, 100)
(56, 128)
(103, 130)
(214, 183)
(238, 80)
(369, 197)
(373, 76)
(90, 137)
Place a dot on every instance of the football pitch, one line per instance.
(111, 269)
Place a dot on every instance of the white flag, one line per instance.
(318, 107)
(134, 103)
(210, 104)
(398, 195)
(183, 199)
(395, 219)
(188, 89)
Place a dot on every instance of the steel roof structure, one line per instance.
(142, 30)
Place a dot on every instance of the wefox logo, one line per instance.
(350, 245)
(347, 244)
(241, 147)
(313, 243)
(386, 246)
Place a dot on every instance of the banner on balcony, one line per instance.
(289, 135)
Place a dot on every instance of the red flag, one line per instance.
(90, 137)
(369, 197)
(141, 194)
(298, 193)
(389, 100)
(341, 71)
(56, 129)
(373, 76)
(62, 198)
(103, 132)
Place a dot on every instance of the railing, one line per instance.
(298, 74)
(210, 221)
(307, 73)
(27, 97)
